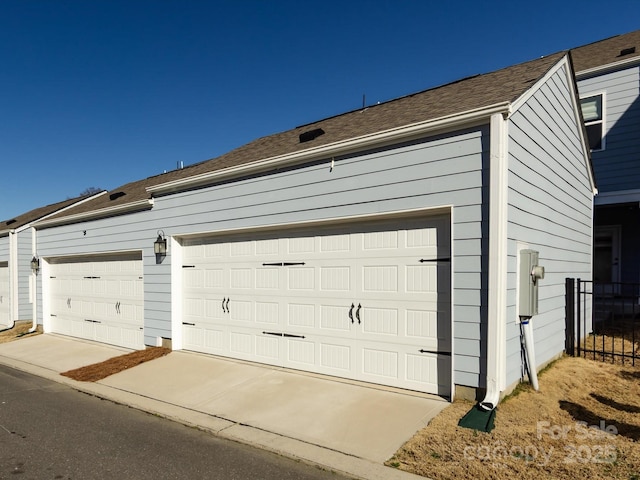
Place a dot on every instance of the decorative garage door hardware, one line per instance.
(91, 278)
(282, 264)
(190, 324)
(225, 309)
(357, 313)
(434, 260)
(188, 266)
(92, 321)
(118, 307)
(69, 302)
(280, 334)
(433, 352)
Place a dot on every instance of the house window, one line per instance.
(593, 121)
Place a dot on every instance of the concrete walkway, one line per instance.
(343, 426)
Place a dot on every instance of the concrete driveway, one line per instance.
(321, 419)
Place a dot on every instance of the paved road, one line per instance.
(50, 431)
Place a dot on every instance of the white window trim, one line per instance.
(602, 94)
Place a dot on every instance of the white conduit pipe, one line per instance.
(529, 351)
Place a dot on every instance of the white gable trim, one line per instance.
(101, 213)
(526, 96)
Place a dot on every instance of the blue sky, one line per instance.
(99, 93)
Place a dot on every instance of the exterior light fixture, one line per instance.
(35, 264)
(160, 245)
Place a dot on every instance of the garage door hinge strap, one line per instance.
(434, 260)
(290, 335)
(282, 264)
(92, 321)
(435, 353)
(91, 278)
(187, 323)
(188, 266)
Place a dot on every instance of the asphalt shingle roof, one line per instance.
(36, 214)
(607, 51)
(505, 85)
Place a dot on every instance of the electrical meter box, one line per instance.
(530, 274)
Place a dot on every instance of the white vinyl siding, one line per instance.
(549, 211)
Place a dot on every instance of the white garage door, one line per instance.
(4, 294)
(99, 298)
(368, 302)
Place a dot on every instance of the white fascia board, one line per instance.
(577, 112)
(616, 197)
(526, 96)
(29, 225)
(95, 214)
(610, 67)
(459, 120)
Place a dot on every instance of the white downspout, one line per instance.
(497, 301)
(13, 279)
(34, 292)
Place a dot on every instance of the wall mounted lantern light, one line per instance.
(35, 264)
(160, 245)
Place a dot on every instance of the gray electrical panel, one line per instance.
(530, 273)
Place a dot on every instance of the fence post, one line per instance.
(579, 315)
(570, 316)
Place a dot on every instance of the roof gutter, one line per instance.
(467, 118)
(94, 214)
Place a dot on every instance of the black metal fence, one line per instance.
(603, 320)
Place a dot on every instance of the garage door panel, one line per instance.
(99, 300)
(366, 301)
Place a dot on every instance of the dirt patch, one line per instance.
(583, 423)
(20, 330)
(98, 371)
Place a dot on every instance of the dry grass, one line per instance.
(596, 347)
(98, 371)
(18, 331)
(542, 434)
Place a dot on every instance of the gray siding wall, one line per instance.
(25, 310)
(617, 167)
(550, 210)
(4, 248)
(447, 170)
(442, 171)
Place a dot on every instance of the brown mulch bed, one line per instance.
(98, 371)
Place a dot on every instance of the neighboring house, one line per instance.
(608, 76)
(379, 245)
(17, 244)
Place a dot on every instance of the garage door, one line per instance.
(4, 294)
(98, 298)
(369, 302)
